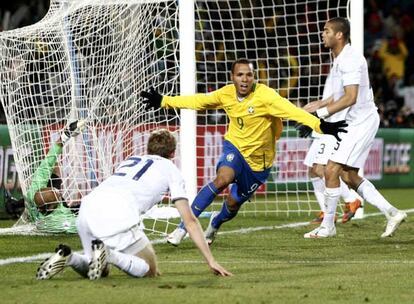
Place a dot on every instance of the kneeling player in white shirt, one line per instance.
(112, 235)
(352, 94)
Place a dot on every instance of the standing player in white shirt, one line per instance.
(317, 157)
(352, 94)
(110, 216)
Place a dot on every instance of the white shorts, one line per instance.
(354, 148)
(320, 150)
(130, 241)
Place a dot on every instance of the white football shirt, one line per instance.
(137, 184)
(350, 68)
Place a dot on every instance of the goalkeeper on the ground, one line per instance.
(43, 194)
(255, 112)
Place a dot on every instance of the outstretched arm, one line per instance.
(281, 107)
(196, 233)
(42, 174)
(152, 99)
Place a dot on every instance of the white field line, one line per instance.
(42, 256)
(300, 262)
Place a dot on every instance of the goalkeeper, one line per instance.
(43, 194)
(255, 112)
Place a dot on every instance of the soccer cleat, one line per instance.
(211, 232)
(175, 237)
(350, 210)
(393, 223)
(98, 266)
(320, 232)
(72, 130)
(54, 264)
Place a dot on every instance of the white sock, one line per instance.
(346, 193)
(319, 188)
(79, 263)
(130, 264)
(331, 199)
(369, 193)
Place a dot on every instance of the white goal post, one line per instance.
(89, 59)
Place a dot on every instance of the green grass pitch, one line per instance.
(270, 265)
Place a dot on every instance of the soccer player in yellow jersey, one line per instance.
(255, 112)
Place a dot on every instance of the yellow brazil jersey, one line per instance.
(255, 121)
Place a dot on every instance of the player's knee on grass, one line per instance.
(148, 255)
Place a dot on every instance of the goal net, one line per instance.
(283, 38)
(89, 59)
(85, 60)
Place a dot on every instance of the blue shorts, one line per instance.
(245, 181)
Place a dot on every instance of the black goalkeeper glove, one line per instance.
(152, 99)
(303, 130)
(333, 128)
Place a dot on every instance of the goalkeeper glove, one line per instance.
(333, 128)
(72, 130)
(152, 99)
(304, 131)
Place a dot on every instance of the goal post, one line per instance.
(89, 59)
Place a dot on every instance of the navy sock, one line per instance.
(224, 216)
(203, 199)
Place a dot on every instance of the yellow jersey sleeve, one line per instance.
(194, 102)
(283, 108)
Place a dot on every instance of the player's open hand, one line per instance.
(333, 128)
(152, 99)
(219, 270)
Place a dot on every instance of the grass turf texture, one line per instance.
(269, 266)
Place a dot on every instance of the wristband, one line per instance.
(322, 112)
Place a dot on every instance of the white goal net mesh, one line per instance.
(283, 39)
(89, 59)
(86, 60)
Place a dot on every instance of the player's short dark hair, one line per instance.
(240, 61)
(342, 25)
(54, 181)
(161, 142)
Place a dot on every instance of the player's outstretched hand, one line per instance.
(303, 130)
(73, 129)
(219, 270)
(333, 128)
(152, 99)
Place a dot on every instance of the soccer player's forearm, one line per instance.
(42, 174)
(193, 102)
(196, 234)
